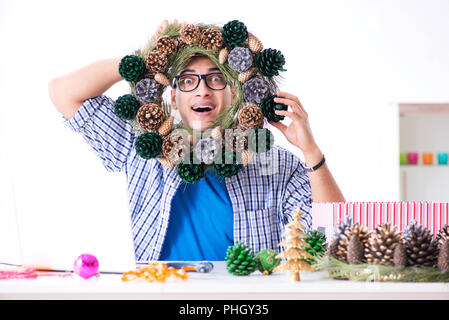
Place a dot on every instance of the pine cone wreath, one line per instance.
(234, 33)
(260, 140)
(317, 244)
(255, 90)
(166, 45)
(190, 34)
(148, 145)
(442, 235)
(250, 116)
(147, 91)
(382, 242)
(132, 68)
(269, 107)
(150, 116)
(354, 253)
(240, 260)
(443, 257)
(270, 62)
(190, 172)
(400, 256)
(240, 59)
(421, 249)
(211, 39)
(156, 61)
(356, 230)
(126, 107)
(228, 165)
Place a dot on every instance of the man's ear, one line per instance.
(173, 99)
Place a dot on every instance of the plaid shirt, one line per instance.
(263, 193)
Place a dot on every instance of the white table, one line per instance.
(218, 285)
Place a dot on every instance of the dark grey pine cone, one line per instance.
(255, 90)
(147, 90)
(421, 249)
(240, 59)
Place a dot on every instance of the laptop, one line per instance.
(99, 224)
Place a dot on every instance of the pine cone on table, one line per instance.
(361, 232)
(382, 242)
(400, 255)
(442, 236)
(354, 253)
(240, 260)
(443, 257)
(421, 249)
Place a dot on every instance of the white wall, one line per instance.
(349, 62)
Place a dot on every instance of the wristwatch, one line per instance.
(311, 169)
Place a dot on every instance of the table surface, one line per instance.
(218, 284)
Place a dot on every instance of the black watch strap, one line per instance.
(311, 169)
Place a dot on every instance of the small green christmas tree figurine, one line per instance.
(295, 255)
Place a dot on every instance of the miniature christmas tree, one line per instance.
(296, 253)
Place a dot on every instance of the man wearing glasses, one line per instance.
(176, 221)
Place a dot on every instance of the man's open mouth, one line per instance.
(202, 108)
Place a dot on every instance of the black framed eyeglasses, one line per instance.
(189, 81)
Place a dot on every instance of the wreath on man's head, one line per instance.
(240, 57)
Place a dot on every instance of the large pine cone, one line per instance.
(269, 107)
(400, 255)
(421, 249)
(382, 243)
(166, 45)
(156, 61)
(148, 145)
(270, 62)
(228, 165)
(190, 34)
(150, 116)
(174, 148)
(317, 244)
(442, 236)
(211, 39)
(251, 116)
(361, 232)
(355, 251)
(234, 33)
(235, 140)
(240, 260)
(443, 257)
(126, 107)
(131, 68)
(190, 172)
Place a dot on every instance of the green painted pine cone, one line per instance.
(229, 165)
(126, 107)
(260, 146)
(266, 261)
(270, 62)
(190, 172)
(269, 107)
(317, 243)
(234, 33)
(240, 260)
(148, 145)
(132, 68)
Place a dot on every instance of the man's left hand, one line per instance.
(298, 132)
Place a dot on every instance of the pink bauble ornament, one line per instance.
(86, 266)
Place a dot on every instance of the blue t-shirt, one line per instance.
(201, 221)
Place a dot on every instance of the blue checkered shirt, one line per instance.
(263, 193)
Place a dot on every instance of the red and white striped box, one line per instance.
(432, 215)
